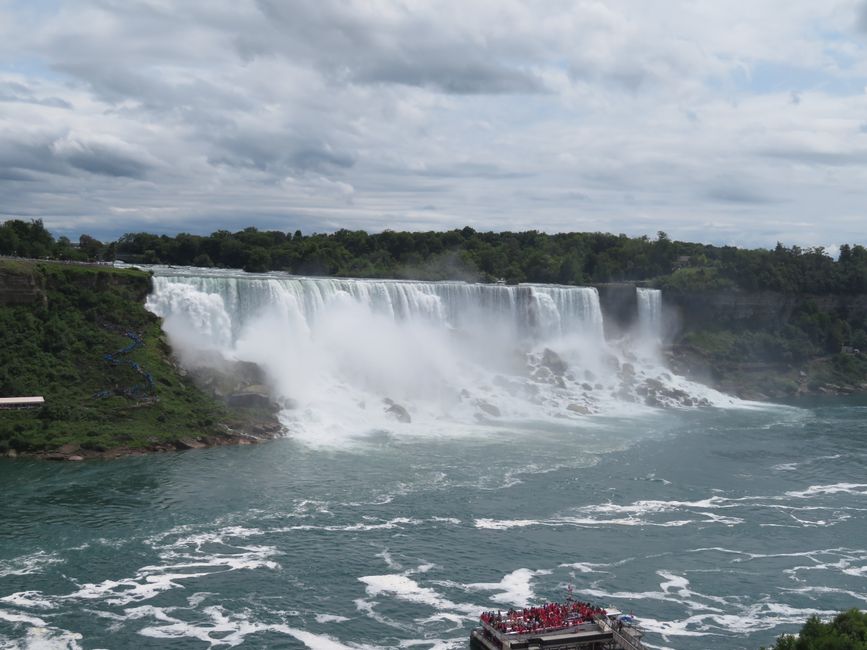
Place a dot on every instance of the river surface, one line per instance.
(719, 528)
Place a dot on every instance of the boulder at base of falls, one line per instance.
(251, 397)
(490, 409)
(552, 361)
(396, 411)
(578, 408)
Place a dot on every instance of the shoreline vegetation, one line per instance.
(846, 631)
(761, 324)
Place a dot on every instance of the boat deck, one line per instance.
(600, 634)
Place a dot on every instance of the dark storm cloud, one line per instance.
(106, 161)
(33, 154)
(64, 156)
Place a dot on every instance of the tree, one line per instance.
(848, 631)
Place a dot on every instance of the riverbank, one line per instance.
(81, 337)
(840, 374)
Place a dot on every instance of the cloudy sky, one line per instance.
(724, 121)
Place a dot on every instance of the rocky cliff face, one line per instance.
(752, 310)
(19, 287)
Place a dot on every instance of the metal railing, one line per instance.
(625, 641)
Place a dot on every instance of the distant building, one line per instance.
(682, 261)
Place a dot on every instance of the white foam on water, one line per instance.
(28, 599)
(581, 522)
(404, 588)
(434, 644)
(859, 489)
(585, 567)
(16, 617)
(372, 524)
(225, 628)
(28, 564)
(37, 634)
(826, 590)
(331, 618)
(48, 638)
(458, 620)
(516, 588)
(368, 608)
(647, 512)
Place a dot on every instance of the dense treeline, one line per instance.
(848, 631)
(565, 258)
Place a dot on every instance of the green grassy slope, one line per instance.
(54, 336)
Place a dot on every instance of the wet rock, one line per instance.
(586, 386)
(488, 408)
(589, 376)
(578, 408)
(250, 398)
(68, 448)
(543, 374)
(654, 384)
(396, 411)
(552, 361)
(11, 454)
(75, 458)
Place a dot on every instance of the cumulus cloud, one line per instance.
(736, 122)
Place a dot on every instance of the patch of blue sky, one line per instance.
(767, 77)
(32, 68)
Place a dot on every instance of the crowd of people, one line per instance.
(549, 617)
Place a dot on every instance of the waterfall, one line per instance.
(454, 356)
(532, 311)
(650, 314)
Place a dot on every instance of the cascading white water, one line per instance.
(650, 313)
(338, 352)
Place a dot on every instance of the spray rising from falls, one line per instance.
(348, 357)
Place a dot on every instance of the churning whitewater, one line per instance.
(347, 357)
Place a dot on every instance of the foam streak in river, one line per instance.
(339, 353)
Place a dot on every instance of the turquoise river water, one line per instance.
(719, 528)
